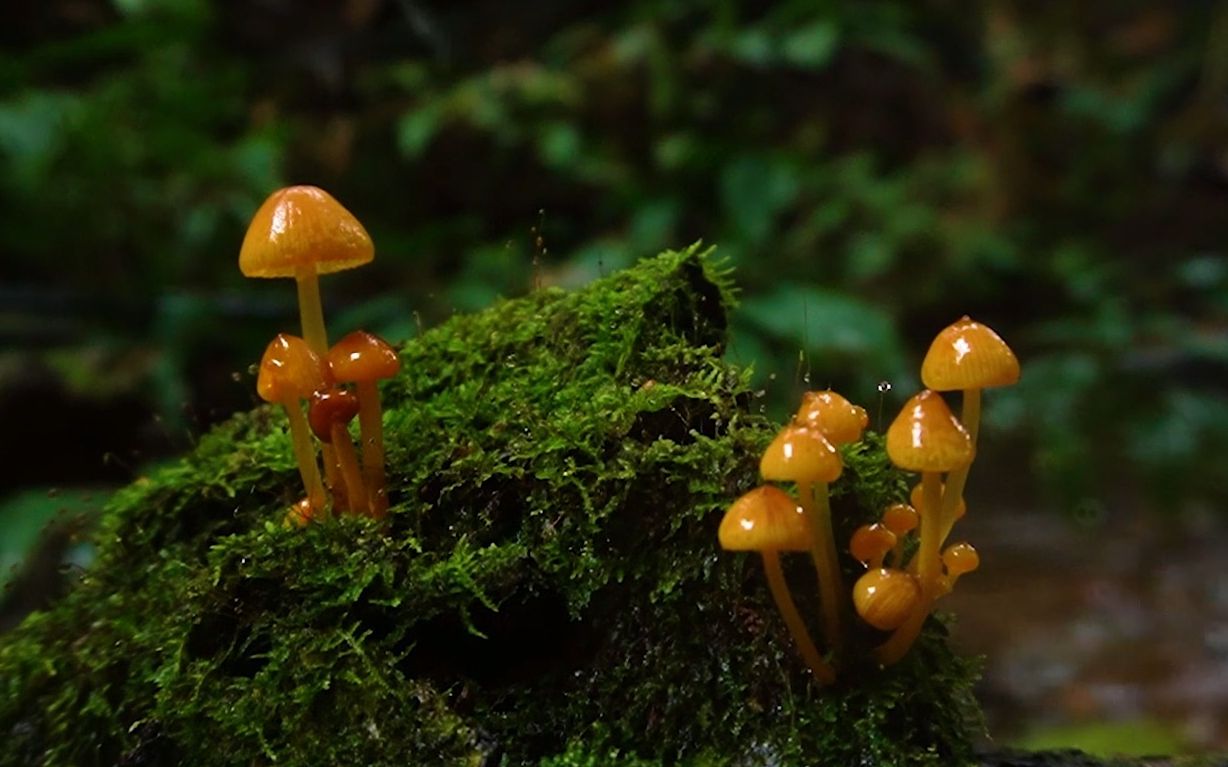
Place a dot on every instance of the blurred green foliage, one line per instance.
(873, 170)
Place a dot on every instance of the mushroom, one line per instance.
(901, 519)
(840, 421)
(925, 437)
(331, 409)
(959, 559)
(363, 359)
(870, 543)
(289, 373)
(885, 598)
(967, 356)
(803, 455)
(768, 521)
(303, 232)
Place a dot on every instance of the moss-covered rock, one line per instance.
(547, 591)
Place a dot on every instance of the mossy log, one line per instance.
(547, 589)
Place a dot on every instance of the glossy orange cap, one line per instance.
(926, 437)
(362, 356)
(968, 355)
(900, 518)
(800, 454)
(765, 519)
(303, 226)
(871, 543)
(885, 598)
(289, 371)
(840, 420)
(960, 558)
(330, 407)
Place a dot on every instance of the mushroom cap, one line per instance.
(362, 357)
(871, 542)
(926, 437)
(765, 519)
(900, 518)
(885, 597)
(303, 226)
(968, 355)
(289, 371)
(960, 558)
(840, 420)
(800, 454)
(328, 407)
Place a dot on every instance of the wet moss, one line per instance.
(547, 589)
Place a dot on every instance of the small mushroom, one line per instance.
(363, 359)
(869, 544)
(885, 598)
(331, 410)
(840, 421)
(959, 559)
(901, 519)
(768, 521)
(803, 455)
(926, 438)
(291, 372)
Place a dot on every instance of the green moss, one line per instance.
(547, 591)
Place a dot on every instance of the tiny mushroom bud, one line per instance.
(870, 543)
(331, 410)
(768, 521)
(289, 373)
(900, 518)
(803, 455)
(363, 358)
(886, 598)
(959, 559)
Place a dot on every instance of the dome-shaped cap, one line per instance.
(289, 370)
(840, 421)
(885, 598)
(362, 356)
(870, 543)
(926, 437)
(800, 454)
(960, 559)
(968, 355)
(303, 226)
(765, 519)
(329, 407)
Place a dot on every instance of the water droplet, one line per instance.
(884, 387)
(236, 376)
(252, 369)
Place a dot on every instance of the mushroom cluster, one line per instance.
(907, 568)
(303, 232)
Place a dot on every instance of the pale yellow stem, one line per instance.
(311, 310)
(347, 461)
(929, 572)
(815, 506)
(793, 620)
(305, 456)
(371, 432)
(953, 492)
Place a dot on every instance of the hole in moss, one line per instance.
(523, 640)
(679, 422)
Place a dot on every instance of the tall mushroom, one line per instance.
(803, 455)
(768, 521)
(363, 359)
(966, 356)
(291, 372)
(303, 232)
(926, 438)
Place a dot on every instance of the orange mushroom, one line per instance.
(840, 421)
(363, 359)
(331, 410)
(926, 438)
(959, 559)
(768, 521)
(803, 455)
(886, 598)
(870, 544)
(303, 232)
(289, 373)
(967, 356)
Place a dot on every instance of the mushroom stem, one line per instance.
(953, 491)
(929, 572)
(347, 461)
(371, 431)
(310, 309)
(817, 510)
(305, 456)
(793, 620)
